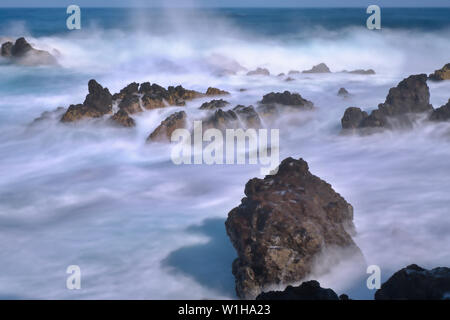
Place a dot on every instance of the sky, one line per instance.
(225, 3)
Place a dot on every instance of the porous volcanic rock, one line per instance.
(22, 52)
(214, 104)
(164, 131)
(442, 113)
(132, 88)
(130, 104)
(308, 290)
(271, 102)
(416, 283)
(98, 102)
(122, 118)
(259, 72)
(216, 92)
(320, 68)
(283, 225)
(352, 118)
(248, 116)
(411, 96)
(222, 120)
(441, 74)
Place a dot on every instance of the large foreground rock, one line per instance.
(441, 74)
(411, 96)
(22, 52)
(416, 283)
(309, 290)
(284, 225)
(98, 102)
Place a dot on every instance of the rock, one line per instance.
(292, 72)
(361, 71)
(50, 115)
(132, 88)
(283, 226)
(222, 65)
(411, 96)
(353, 117)
(155, 96)
(288, 79)
(122, 118)
(441, 74)
(259, 72)
(164, 131)
(248, 116)
(343, 93)
(130, 104)
(22, 52)
(281, 75)
(442, 113)
(222, 120)
(416, 283)
(287, 99)
(216, 92)
(320, 68)
(97, 103)
(309, 290)
(214, 104)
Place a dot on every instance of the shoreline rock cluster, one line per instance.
(23, 53)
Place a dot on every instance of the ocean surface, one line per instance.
(141, 227)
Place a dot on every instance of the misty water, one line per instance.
(98, 196)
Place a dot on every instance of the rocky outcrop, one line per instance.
(164, 131)
(292, 72)
(442, 113)
(222, 120)
(214, 104)
(283, 225)
(22, 52)
(272, 103)
(216, 92)
(416, 283)
(411, 96)
(259, 72)
(122, 118)
(130, 104)
(361, 71)
(132, 88)
(49, 115)
(441, 74)
(320, 68)
(342, 92)
(309, 290)
(97, 103)
(248, 116)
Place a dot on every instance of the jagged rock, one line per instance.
(292, 72)
(343, 93)
(164, 131)
(97, 103)
(281, 74)
(50, 115)
(283, 225)
(320, 68)
(361, 71)
(416, 283)
(441, 74)
(259, 72)
(353, 117)
(22, 52)
(442, 113)
(410, 96)
(155, 96)
(222, 65)
(122, 118)
(130, 104)
(286, 99)
(288, 79)
(216, 92)
(309, 290)
(248, 116)
(132, 88)
(214, 104)
(222, 120)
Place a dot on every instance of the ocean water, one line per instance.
(141, 227)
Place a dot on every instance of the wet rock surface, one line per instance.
(320, 68)
(285, 222)
(411, 96)
(248, 116)
(441, 74)
(361, 71)
(23, 53)
(130, 104)
(214, 104)
(286, 98)
(442, 113)
(211, 91)
(309, 290)
(164, 131)
(122, 118)
(259, 72)
(342, 92)
(416, 283)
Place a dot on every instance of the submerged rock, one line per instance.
(343, 93)
(411, 96)
(442, 113)
(441, 74)
(259, 72)
(361, 71)
(164, 131)
(97, 103)
(320, 68)
(283, 225)
(214, 104)
(309, 290)
(122, 118)
(416, 283)
(22, 52)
